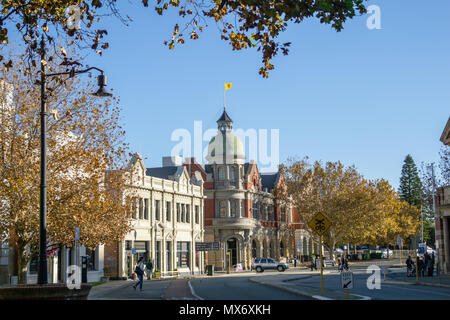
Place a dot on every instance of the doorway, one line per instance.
(232, 248)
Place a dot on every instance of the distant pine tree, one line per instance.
(410, 186)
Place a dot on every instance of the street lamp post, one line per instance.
(101, 92)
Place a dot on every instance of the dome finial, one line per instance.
(225, 123)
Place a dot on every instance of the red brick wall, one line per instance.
(209, 211)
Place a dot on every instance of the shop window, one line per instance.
(34, 264)
(183, 254)
(90, 254)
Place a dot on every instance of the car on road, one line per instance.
(328, 262)
(384, 253)
(261, 264)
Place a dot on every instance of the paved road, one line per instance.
(239, 288)
(388, 291)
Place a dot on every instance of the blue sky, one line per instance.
(364, 97)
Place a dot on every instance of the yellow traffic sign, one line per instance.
(320, 224)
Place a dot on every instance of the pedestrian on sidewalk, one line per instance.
(425, 263)
(313, 263)
(139, 270)
(421, 266)
(409, 267)
(149, 267)
(430, 266)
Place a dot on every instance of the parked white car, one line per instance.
(261, 264)
(384, 253)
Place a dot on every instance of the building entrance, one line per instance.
(232, 247)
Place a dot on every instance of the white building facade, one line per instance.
(167, 221)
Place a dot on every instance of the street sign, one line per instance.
(347, 280)
(207, 246)
(399, 242)
(422, 248)
(320, 224)
(133, 250)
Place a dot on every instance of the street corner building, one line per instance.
(166, 214)
(241, 213)
(442, 218)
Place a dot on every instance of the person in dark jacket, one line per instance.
(431, 265)
(421, 266)
(139, 270)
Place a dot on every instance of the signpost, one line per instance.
(422, 248)
(207, 246)
(347, 281)
(320, 224)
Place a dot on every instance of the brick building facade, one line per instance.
(240, 210)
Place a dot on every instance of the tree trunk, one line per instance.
(22, 261)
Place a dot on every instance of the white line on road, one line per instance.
(321, 298)
(193, 292)
(363, 297)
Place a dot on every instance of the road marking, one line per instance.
(193, 292)
(363, 297)
(321, 298)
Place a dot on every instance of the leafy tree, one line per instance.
(410, 186)
(244, 24)
(361, 211)
(85, 145)
(444, 165)
(331, 189)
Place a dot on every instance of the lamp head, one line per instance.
(102, 92)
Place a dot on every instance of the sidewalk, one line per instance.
(443, 281)
(101, 289)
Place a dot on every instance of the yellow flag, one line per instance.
(228, 86)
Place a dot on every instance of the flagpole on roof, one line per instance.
(224, 96)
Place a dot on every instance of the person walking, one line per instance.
(409, 267)
(425, 263)
(420, 266)
(139, 270)
(149, 267)
(431, 265)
